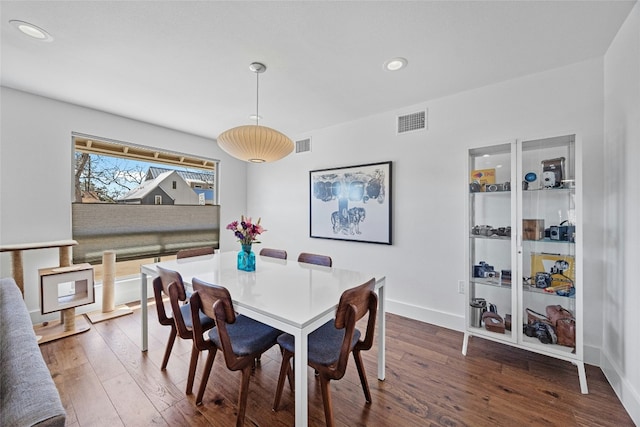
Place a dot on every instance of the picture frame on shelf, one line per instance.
(351, 203)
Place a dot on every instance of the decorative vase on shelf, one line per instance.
(246, 259)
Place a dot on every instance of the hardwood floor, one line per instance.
(105, 380)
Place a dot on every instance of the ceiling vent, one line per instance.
(303, 145)
(412, 122)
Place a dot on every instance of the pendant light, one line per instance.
(255, 143)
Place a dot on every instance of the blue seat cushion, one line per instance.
(247, 336)
(205, 321)
(324, 343)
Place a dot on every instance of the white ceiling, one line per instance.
(185, 65)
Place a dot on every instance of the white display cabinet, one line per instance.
(524, 247)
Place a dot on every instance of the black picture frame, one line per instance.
(351, 203)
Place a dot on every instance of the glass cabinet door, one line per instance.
(547, 252)
(492, 231)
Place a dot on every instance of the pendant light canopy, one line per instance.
(255, 143)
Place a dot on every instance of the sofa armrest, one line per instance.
(29, 396)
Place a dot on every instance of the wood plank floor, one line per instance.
(105, 380)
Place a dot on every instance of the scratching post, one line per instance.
(109, 310)
(108, 281)
(16, 268)
(68, 315)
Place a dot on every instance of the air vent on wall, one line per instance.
(412, 122)
(303, 145)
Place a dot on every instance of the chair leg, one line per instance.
(205, 375)
(193, 364)
(363, 376)
(326, 400)
(285, 370)
(167, 351)
(244, 394)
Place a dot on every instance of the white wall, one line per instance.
(36, 172)
(621, 294)
(430, 186)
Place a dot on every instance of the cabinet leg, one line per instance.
(465, 343)
(582, 375)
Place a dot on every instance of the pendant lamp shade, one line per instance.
(255, 143)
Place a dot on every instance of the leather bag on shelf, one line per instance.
(533, 317)
(565, 324)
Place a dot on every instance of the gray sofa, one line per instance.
(28, 395)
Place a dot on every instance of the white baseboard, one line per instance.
(629, 397)
(434, 317)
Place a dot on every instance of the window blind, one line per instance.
(141, 231)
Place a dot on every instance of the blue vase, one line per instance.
(246, 259)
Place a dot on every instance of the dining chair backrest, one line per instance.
(354, 304)
(316, 259)
(178, 294)
(158, 290)
(209, 294)
(274, 253)
(167, 277)
(188, 253)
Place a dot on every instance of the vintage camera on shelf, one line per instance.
(475, 187)
(485, 271)
(491, 188)
(565, 233)
(541, 330)
(483, 230)
(542, 280)
(559, 267)
(552, 173)
(503, 231)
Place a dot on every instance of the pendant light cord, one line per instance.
(257, 96)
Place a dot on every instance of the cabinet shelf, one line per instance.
(535, 290)
(549, 348)
(494, 237)
(506, 336)
(548, 190)
(547, 240)
(490, 193)
(490, 282)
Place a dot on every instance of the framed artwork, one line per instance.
(351, 203)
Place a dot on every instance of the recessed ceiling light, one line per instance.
(32, 30)
(254, 117)
(395, 64)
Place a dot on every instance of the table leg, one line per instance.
(144, 311)
(382, 326)
(300, 369)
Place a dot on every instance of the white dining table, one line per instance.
(291, 296)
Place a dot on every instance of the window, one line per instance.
(141, 202)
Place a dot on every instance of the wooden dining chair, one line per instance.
(329, 345)
(315, 259)
(240, 338)
(274, 253)
(170, 283)
(188, 253)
